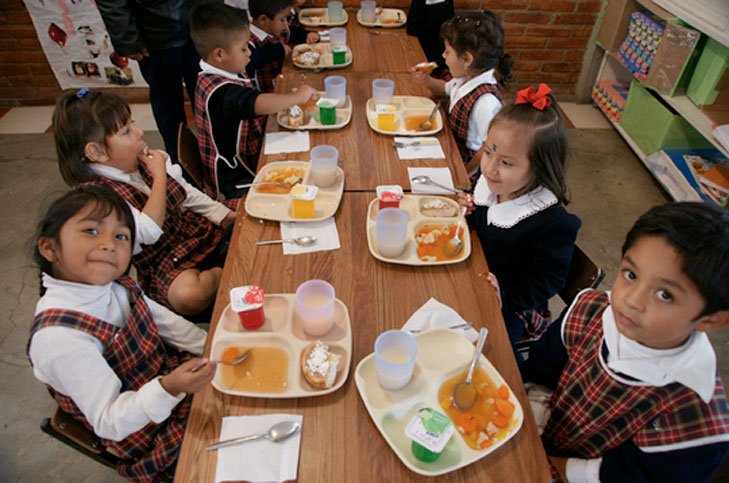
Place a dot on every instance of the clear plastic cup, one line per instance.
(368, 8)
(338, 35)
(334, 11)
(324, 165)
(392, 230)
(395, 352)
(335, 87)
(315, 307)
(383, 90)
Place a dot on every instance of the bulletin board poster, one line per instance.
(77, 46)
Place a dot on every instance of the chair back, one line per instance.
(188, 154)
(584, 273)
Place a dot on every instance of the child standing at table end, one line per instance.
(229, 111)
(425, 19)
(517, 209)
(636, 393)
(474, 53)
(269, 19)
(112, 358)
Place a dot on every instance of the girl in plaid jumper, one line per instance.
(181, 238)
(474, 53)
(628, 384)
(518, 210)
(111, 357)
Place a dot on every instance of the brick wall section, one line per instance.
(547, 39)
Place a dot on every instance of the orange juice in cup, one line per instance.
(386, 117)
(302, 203)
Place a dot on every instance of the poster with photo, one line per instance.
(77, 46)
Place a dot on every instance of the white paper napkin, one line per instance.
(429, 151)
(435, 315)
(260, 460)
(287, 142)
(439, 175)
(325, 231)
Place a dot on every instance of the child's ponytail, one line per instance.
(504, 69)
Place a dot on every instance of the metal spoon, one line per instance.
(234, 362)
(428, 125)
(426, 180)
(277, 433)
(454, 245)
(302, 241)
(277, 183)
(464, 394)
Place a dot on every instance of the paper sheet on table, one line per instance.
(439, 175)
(428, 151)
(436, 315)
(260, 460)
(325, 231)
(287, 142)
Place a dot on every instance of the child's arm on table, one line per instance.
(273, 103)
(156, 206)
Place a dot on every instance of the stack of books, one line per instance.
(715, 183)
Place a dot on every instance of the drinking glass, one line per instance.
(395, 352)
(338, 36)
(324, 165)
(383, 90)
(335, 87)
(368, 8)
(315, 307)
(392, 228)
(334, 11)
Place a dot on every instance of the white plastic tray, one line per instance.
(319, 17)
(388, 18)
(311, 118)
(325, 61)
(406, 106)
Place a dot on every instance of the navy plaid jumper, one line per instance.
(266, 73)
(250, 134)
(593, 412)
(137, 354)
(187, 239)
(459, 115)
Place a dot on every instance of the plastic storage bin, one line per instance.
(709, 72)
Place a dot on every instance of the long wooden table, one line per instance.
(369, 158)
(339, 441)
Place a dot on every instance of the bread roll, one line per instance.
(319, 365)
(426, 67)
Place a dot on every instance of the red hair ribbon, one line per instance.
(537, 97)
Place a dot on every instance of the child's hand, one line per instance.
(154, 160)
(312, 38)
(494, 282)
(189, 377)
(419, 77)
(466, 199)
(304, 93)
(228, 220)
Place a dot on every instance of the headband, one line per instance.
(538, 97)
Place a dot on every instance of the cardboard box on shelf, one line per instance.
(615, 22)
(674, 59)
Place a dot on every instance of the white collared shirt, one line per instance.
(147, 230)
(72, 361)
(259, 33)
(508, 213)
(483, 110)
(211, 69)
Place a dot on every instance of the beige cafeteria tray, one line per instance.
(277, 207)
(311, 118)
(319, 17)
(388, 18)
(282, 329)
(406, 106)
(442, 354)
(413, 204)
(325, 60)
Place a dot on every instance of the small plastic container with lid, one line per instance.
(327, 111)
(385, 117)
(247, 302)
(429, 431)
(302, 204)
(389, 196)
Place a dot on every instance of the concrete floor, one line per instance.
(610, 189)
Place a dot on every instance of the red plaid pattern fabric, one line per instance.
(458, 117)
(593, 412)
(266, 73)
(137, 354)
(535, 322)
(250, 133)
(187, 240)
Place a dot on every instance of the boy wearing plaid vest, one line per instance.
(636, 395)
(229, 111)
(269, 20)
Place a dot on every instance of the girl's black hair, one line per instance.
(269, 8)
(105, 201)
(547, 145)
(480, 34)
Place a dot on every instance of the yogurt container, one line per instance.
(247, 302)
(429, 431)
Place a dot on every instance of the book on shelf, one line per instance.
(680, 172)
(715, 183)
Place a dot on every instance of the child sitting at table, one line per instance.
(425, 19)
(268, 50)
(518, 209)
(474, 53)
(229, 111)
(636, 394)
(111, 357)
(181, 233)
(295, 33)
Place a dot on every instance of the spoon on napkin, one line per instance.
(302, 241)
(277, 433)
(423, 179)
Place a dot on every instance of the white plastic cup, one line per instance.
(368, 8)
(315, 306)
(383, 90)
(392, 230)
(338, 36)
(335, 87)
(334, 11)
(395, 352)
(324, 165)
